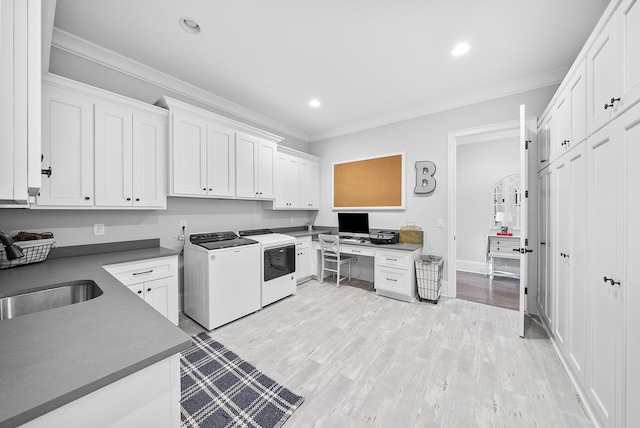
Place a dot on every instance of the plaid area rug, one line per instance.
(220, 389)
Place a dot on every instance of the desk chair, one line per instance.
(332, 260)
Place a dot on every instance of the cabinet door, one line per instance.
(279, 181)
(309, 185)
(601, 72)
(113, 156)
(303, 259)
(576, 258)
(544, 143)
(549, 306)
(137, 289)
(67, 147)
(220, 161)
(543, 221)
(577, 95)
(628, 42)
(292, 182)
(629, 137)
(162, 295)
(562, 127)
(149, 142)
(603, 225)
(189, 161)
(266, 155)
(246, 165)
(561, 223)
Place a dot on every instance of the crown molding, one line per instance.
(107, 58)
(503, 90)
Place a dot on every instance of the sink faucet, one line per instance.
(13, 251)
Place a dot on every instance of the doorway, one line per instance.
(478, 142)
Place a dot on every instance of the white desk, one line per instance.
(394, 267)
(501, 247)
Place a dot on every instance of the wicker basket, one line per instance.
(34, 252)
(410, 234)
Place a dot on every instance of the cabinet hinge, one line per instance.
(526, 145)
(526, 193)
(526, 290)
(526, 242)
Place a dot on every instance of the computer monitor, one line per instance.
(352, 224)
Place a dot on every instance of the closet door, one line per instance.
(604, 304)
(559, 256)
(543, 221)
(629, 140)
(576, 260)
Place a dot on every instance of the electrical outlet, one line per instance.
(440, 222)
(98, 229)
(183, 224)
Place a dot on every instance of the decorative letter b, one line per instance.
(425, 180)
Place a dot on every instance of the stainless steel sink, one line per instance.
(50, 297)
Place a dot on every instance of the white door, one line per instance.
(526, 137)
(604, 324)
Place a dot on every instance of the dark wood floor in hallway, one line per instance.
(501, 291)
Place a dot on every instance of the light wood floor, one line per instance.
(361, 360)
(499, 291)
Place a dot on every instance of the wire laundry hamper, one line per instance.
(429, 277)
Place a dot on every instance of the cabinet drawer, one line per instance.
(358, 251)
(394, 259)
(393, 280)
(130, 273)
(302, 243)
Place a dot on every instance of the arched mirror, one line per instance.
(506, 200)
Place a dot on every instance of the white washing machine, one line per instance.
(221, 278)
(278, 263)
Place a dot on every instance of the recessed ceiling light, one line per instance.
(460, 49)
(314, 103)
(189, 25)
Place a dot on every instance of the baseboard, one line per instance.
(471, 266)
(579, 389)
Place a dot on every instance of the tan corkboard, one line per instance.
(369, 183)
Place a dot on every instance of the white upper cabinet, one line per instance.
(628, 43)
(613, 66)
(188, 165)
(309, 184)
(129, 158)
(254, 167)
(103, 151)
(20, 99)
(67, 150)
(221, 162)
(217, 157)
(297, 181)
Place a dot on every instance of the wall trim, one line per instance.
(90, 51)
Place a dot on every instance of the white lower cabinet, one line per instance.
(303, 259)
(154, 280)
(395, 274)
(147, 398)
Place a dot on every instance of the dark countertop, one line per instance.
(50, 358)
(314, 233)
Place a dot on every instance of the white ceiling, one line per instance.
(369, 62)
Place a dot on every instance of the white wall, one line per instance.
(479, 167)
(75, 227)
(422, 138)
